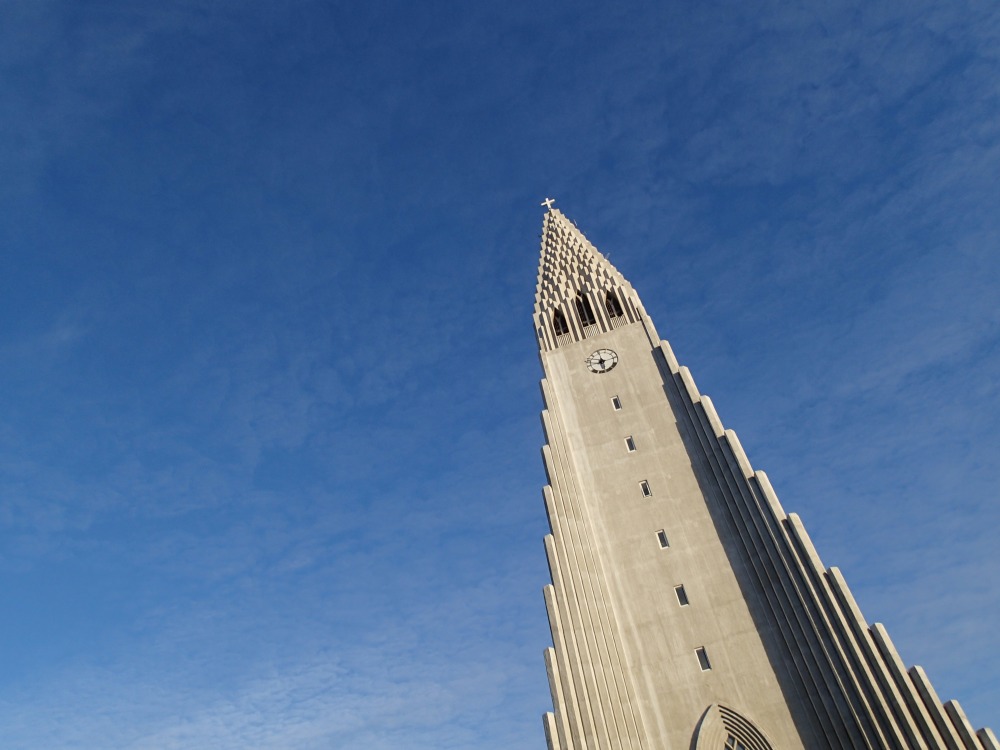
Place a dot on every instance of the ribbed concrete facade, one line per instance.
(687, 609)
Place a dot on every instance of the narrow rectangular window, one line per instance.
(703, 659)
(644, 486)
(630, 444)
(661, 537)
(682, 597)
(617, 403)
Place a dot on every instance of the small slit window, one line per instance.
(630, 444)
(616, 403)
(644, 486)
(682, 597)
(661, 537)
(703, 659)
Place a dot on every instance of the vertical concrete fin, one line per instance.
(795, 522)
(689, 386)
(668, 354)
(866, 701)
(543, 417)
(567, 604)
(569, 710)
(546, 419)
(770, 495)
(935, 709)
(961, 723)
(883, 684)
(780, 576)
(651, 333)
(589, 629)
(555, 569)
(911, 698)
(549, 725)
(741, 456)
(713, 417)
(572, 655)
(565, 741)
(546, 389)
(987, 739)
(547, 465)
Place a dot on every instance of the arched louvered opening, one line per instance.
(559, 323)
(612, 305)
(722, 728)
(586, 312)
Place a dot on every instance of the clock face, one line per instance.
(603, 360)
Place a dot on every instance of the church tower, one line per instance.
(688, 611)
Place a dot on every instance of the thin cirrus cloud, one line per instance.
(269, 448)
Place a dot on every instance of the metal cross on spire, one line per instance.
(548, 203)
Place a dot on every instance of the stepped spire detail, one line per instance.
(579, 293)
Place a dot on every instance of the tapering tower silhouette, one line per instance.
(687, 609)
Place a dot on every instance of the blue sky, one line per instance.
(269, 470)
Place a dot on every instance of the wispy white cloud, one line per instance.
(273, 397)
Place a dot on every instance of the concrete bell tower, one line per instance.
(688, 611)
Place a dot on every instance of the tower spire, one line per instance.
(579, 293)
